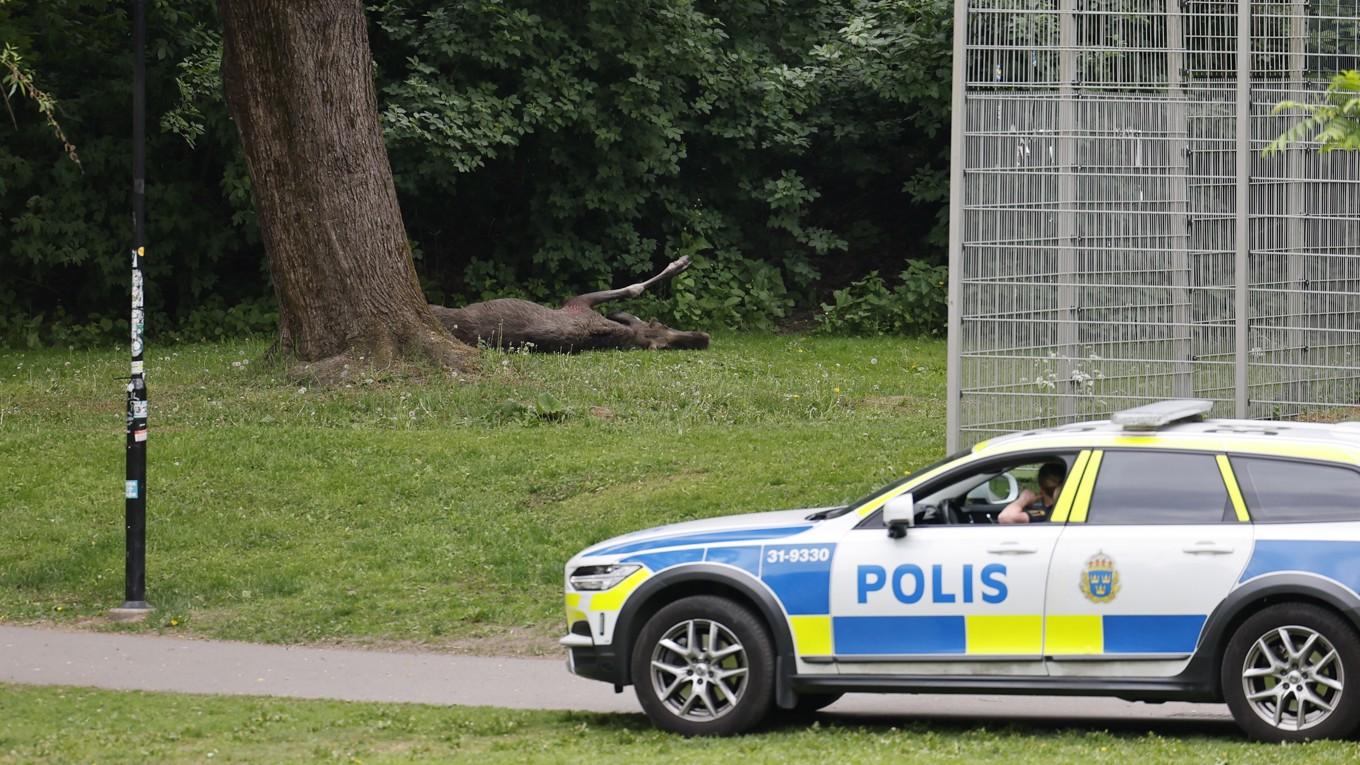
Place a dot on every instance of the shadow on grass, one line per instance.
(953, 724)
(1019, 724)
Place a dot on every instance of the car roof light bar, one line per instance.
(1154, 416)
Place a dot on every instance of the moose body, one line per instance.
(576, 326)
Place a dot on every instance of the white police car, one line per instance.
(1183, 559)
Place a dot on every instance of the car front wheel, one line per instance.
(704, 666)
(1292, 673)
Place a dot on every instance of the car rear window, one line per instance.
(1137, 487)
(1286, 491)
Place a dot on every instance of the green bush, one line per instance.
(66, 229)
(540, 149)
(918, 305)
(721, 290)
(586, 145)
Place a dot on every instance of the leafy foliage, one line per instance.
(540, 149)
(1334, 122)
(65, 229)
(916, 306)
(586, 152)
(18, 78)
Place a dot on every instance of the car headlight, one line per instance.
(601, 577)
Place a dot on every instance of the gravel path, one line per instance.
(42, 656)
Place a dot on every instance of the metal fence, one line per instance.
(1117, 235)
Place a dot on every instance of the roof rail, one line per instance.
(1154, 416)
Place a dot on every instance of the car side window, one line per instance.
(1284, 491)
(1143, 487)
(978, 494)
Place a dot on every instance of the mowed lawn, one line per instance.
(62, 725)
(425, 510)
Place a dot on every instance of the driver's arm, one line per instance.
(1015, 511)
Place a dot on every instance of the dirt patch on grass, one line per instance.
(593, 492)
(511, 642)
(894, 402)
(518, 642)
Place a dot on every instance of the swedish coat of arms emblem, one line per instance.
(1100, 580)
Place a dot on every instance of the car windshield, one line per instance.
(836, 512)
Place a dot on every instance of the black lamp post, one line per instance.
(134, 604)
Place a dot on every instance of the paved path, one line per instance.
(41, 656)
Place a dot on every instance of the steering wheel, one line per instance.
(950, 511)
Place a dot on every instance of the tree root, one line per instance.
(388, 355)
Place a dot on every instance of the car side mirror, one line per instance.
(1012, 490)
(899, 513)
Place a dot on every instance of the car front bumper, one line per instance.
(586, 659)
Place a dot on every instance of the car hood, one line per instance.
(728, 528)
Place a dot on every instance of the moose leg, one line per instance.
(591, 299)
(627, 319)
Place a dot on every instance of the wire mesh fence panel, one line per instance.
(1107, 212)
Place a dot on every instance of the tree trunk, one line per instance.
(298, 76)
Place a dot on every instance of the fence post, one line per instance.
(1242, 229)
(1178, 200)
(1296, 182)
(1067, 210)
(957, 133)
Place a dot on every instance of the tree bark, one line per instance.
(298, 76)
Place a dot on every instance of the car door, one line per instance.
(1156, 539)
(961, 598)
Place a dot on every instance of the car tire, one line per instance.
(704, 666)
(1292, 673)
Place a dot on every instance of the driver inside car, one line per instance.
(1030, 507)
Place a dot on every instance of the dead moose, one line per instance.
(576, 326)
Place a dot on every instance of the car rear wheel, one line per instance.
(1292, 673)
(704, 666)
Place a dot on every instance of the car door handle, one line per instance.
(1012, 548)
(1208, 548)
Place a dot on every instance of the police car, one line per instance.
(1182, 559)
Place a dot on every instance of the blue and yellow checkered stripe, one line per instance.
(1095, 634)
(996, 635)
(800, 577)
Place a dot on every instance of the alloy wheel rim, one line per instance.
(1293, 678)
(699, 670)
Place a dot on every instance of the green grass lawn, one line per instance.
(64, 725)
(436, 511)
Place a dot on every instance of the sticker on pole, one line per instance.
(138, 327)
(132, 489)
(139, 409)
(139, 435)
